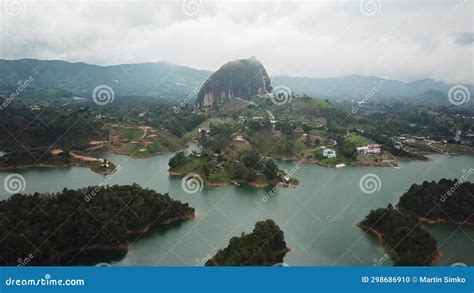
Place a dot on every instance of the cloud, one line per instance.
(464, 38)
(403, 39)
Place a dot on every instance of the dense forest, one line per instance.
(52, 226)
(24, 130)
(265, 246)
(448, 200)
(401, 235)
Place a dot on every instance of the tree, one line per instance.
(179, 159)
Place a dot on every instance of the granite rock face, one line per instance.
(239, 78)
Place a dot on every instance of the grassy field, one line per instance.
(143, 147)
(130, 133)
(194, 134)
(358, 140)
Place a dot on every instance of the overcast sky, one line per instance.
(404, 40)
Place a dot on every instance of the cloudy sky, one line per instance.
(404, 40)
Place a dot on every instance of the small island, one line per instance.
(399, 228)
(400, 234)
(265, 246)
(446, 201)
(220, 170)
(227, 158)
(61, 226)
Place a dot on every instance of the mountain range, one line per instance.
(166, 80)
(160, 79)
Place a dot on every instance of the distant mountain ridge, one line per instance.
(358, 87)
(161, 79)
(167, 80)
(239, 78)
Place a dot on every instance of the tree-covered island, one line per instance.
(228, 158)
(55, 228)
(445, 201)
(399, 228)
(265, 246)
(401, 235)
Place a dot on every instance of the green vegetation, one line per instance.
(250, 167)
(130, 133)
(265, 246)
(358, 140)
(20, 158)
(93, 218)
(433, 202)
(225, 160)
(447, 200)
(23, 131)
(105, 167)
(401, 235)
(142, 141)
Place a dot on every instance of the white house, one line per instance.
(369, 149)
(329, 153)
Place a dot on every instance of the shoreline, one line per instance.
(283, 251)
(389, 164)
(32, 166)
(233, 182)
(432, 261)
(443, 221)
(122, 248)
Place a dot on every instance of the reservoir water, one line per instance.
(318, 217)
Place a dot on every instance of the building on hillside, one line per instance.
(329, 153)
(205, 130)
(240, 138)
(369, 149)
(240, 119)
